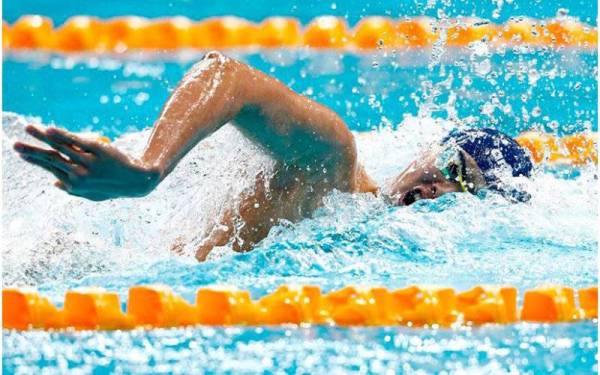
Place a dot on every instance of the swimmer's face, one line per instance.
(423, 179)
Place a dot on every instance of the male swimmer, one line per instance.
(314, 150)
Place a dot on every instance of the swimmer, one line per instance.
(314, 150)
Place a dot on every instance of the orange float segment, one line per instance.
(166, 33)
(124, 33)
(574, 149)
(25, 308)
(357, 306)
(158, 306)
(374, 32)
(523, 30)
(488, 304)
(292, 304)
(224, 32)
(32, 32)
(94, 308)
(416, 32)
(540, 145)
(424, 305)
(223, 306)
(326, 32)
(280, 307)
(581, 148)
(469, 30)
(588, 301)
(550, 304)
(79, 33)
(5, 35)
(570, 32)
(279, 32)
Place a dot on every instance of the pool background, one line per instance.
(305, 10)
(397, 104)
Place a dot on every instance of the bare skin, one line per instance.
(314, 150)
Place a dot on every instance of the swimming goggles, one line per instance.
(451, 162)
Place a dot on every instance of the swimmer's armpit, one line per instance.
(87, 168)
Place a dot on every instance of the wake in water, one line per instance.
(460, 238)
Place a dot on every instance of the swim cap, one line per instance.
(497, 155)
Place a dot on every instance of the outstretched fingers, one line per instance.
(42, 157)
(58, 173)
(78, 150)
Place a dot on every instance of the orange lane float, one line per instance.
(166, 33)
(488, 304)
(523, 31)
(291, 305)
(84, 33)
(5, 35)
(468, 30)
(352, 306)
(225, 32)
(25, 309)
(32, 32)
(124, 33)
(375, 32)
(416, 32)
(79, 33)
(224, 306)
(155, 306)
(550, 304)
(95, 308)
(326, 32)
(279, 32)
(588, 301)
(570, 32)
(576, 149)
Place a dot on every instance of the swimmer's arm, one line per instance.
(219, 90)
(215, 91)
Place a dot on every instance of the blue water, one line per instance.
(305, 10)
(397, 104)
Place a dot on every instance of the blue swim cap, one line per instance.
(496, 154)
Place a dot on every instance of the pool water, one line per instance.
(397, 103)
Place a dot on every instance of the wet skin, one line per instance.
(315, 153)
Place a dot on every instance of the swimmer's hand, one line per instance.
(88, 168)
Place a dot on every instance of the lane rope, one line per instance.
(157, 306)
(86, 33)
(575, 149)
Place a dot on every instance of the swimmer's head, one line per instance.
(465, 161)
